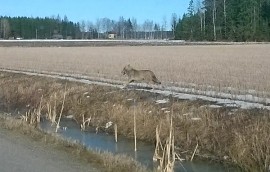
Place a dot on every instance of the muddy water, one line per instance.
(105, 142)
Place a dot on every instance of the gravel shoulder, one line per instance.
(21, 153)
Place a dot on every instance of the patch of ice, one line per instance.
(231, 113)
(214, 106)
(108, 124)
(196, 119)
(187, 114)
(163, 101)
(234, 110)
(252, 91)
(70, 116)
(225, 157)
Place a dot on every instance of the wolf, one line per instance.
(139, 75)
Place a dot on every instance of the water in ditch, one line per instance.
(104, 142)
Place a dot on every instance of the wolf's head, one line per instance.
(126, 69)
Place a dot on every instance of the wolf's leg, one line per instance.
(152, 82)
(156, 81)
(129, 81)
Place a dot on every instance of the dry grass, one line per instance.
(245, 67)
(240, 137)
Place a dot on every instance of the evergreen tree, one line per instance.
(32, 28)
(232, 20)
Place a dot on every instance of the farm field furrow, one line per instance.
(234, 68)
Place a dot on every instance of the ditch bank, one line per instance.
(21, 142)
(24, 153)
(107, 42)
(222, 134)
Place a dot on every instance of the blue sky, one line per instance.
(90, 10)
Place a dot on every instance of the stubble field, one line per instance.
(243, 67)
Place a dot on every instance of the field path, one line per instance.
(20, 153)
(243, 67)
(244, 101)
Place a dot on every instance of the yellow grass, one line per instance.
(243, 67)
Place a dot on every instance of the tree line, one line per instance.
(61, 28)
(224, 20)
(37, 28)
(205, 20)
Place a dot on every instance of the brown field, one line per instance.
(245, 67)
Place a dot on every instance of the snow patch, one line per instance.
(163, 101)
(246, 101)
(196, 119)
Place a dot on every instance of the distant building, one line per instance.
(69, 37)
(111, 35)
(57, 36)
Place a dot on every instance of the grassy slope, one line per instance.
(241, 136)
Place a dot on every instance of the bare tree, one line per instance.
(199, 9)
(106, 24)
(90, 29)
(121, 27)
(157, 30)
(144, 27)
(135, 27)
(164, 26)
(225, 18)
(4, 28)
(174, 23)
(98, 23)
(148, 27)
(83, 28)
(214, 19)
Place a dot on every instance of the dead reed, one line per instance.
(165, 154)
(62, 108)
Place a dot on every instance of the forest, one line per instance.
(224, 20)
(38, 28)
(55, 27)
